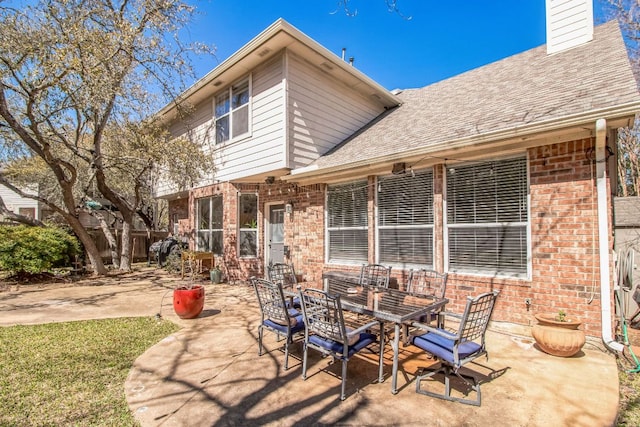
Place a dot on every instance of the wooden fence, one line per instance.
(141, 243)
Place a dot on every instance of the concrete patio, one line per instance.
(209, 372)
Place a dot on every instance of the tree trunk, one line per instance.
(111, 240)
(89, 245)
(125, 254)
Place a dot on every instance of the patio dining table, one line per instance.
(387, 305)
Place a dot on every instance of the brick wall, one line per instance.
(564, 244)
(564, 240)
(179, 208)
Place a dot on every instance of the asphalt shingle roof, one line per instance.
(517, 91)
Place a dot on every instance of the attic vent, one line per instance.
(264, 52)
(327, 66)
(218, 83)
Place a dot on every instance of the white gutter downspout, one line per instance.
(603, 236)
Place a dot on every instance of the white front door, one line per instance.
(275, 235)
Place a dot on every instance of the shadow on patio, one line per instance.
(209, 374)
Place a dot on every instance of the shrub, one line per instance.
(35, 249)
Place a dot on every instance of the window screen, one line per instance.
(209, 225)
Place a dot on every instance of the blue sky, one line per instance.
(442, 38)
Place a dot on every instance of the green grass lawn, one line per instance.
(629, 412)
(72, 373)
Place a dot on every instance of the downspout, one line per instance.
(603, 236)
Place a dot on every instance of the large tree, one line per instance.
(627, 13)
(77, 86)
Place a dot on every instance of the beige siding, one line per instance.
(262, 150)
(14, 202)
(322, 112)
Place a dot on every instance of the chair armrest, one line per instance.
(441, 332)
(450, 314)
(363, 328)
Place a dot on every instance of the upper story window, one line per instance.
(487, 217)
(405, 219)
(347, 223)
(248, 224)
(209, 225)
(232, 112)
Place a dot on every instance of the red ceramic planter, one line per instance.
(188, 302)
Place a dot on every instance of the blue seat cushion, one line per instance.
(442, 347)
(296, 302)
(299, 326)
(335, 347)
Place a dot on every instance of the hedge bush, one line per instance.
(34, 250)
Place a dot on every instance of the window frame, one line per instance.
(210, 222)
(524, 226)
(242, 230)
(232, 111)
(342, 231)
(423, 220)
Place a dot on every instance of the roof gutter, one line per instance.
(523, 132)
(603, 236)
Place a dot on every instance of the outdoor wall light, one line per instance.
(288, 208)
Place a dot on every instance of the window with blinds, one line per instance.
(347, 223)
(405, 219)
(487, 217)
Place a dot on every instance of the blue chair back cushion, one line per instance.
(442, 347)
(335, 347)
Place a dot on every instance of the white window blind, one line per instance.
(347, 222)
(405, 219)
(487, 217)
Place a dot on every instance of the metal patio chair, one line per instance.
(326, 331)
(282, 273)
(375, 275)
(455, 349)
(277, 316)
(425, 282)
(285, 275)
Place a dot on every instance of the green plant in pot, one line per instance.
(558, 334)
(188, 298)
(216, 275)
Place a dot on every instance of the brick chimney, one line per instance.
(569, 24)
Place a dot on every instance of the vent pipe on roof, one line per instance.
(351, 61)
(344, 52)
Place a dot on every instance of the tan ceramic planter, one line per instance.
(562, 339)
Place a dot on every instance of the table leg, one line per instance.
(381, 361)
(395, 346)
